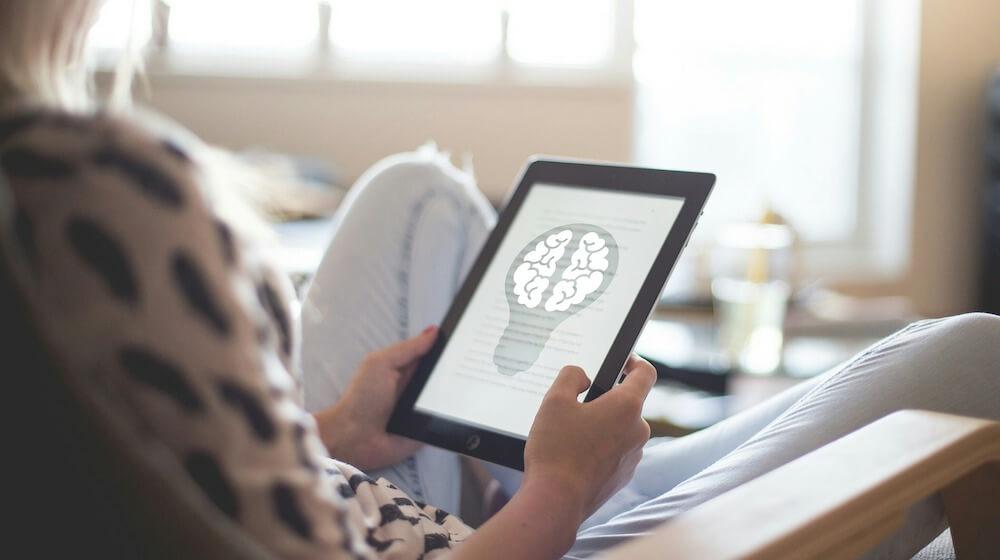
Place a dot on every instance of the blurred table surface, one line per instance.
(685, 338)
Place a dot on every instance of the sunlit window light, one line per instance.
(560, 32)
(116, 21)
(261, 26)
(434, 31)
(767, 94)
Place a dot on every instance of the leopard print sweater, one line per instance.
(130, 273)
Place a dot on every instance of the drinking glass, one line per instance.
(751, 268)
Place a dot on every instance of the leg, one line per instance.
(406, 234)
(949, 365)
(667, 462)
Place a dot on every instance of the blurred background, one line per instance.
(857, 143)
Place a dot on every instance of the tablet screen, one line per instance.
(557, 292)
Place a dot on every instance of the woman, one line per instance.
(133, 267)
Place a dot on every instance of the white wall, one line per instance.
(355, 123)
(960, 49)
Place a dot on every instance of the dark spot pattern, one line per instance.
(104, 256)
(272, 303)
(440, 515)
(357, 479)
(347, 534)
(175, 151)
(149, 180)
(207, 474)
(392, 512)
(346, 491)
(247, 404)
(25, 163)
(286, 507)
(11, 126)
(159, 374)
(195, 290)
(436, 541)
(103, 248)
(64, 121)
(378, 545)
(227, 241)
(299, 434)
(24, 232)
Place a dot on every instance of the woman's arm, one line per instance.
(353, 429)
(577, 456)
(540, 521)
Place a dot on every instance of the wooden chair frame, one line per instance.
(842, 499)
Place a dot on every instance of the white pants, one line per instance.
(406, 236)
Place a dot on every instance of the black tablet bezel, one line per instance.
(505, 449)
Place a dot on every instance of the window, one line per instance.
(803, 107)
(766, 94)
(261, 26)
(561, 32)
(432, 31)
(529, 33)
(117, 22)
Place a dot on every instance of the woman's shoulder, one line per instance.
(129, 185)
(38, 143)
(25, 122)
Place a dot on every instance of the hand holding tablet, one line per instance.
(568, 276)
(583, 454)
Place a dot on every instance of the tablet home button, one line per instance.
(472, 442)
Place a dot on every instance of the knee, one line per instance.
(980, 327)
(409, 177)
(972, 338)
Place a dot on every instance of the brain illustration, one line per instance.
(531, 277)
(556, 275)
(583, 276)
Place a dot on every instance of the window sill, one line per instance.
(311, 71)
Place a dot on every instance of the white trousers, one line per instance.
(407, 234)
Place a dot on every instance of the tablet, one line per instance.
(569, 275)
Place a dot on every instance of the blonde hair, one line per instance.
(43, 60)
(43, 54)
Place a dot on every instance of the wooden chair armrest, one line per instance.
(847, 496)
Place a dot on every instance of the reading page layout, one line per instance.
(556, 293)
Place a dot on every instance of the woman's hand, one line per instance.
(589, 450)
(353, 430)
(577, 456)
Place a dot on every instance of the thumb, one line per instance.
(406, 351)
(570, 382)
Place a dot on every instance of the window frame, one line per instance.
(322, 61)
(876, 252)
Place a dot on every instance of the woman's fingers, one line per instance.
(570, 382)
(639, 379)
(403, 353)
(632, 362)
(640, 376)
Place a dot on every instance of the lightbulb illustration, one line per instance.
(555, 276)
